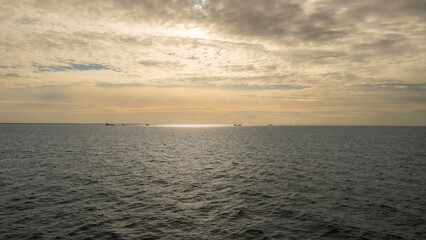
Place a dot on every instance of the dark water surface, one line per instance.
(135, 182)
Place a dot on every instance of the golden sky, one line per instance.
(213, 61)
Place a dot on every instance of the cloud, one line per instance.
(313, 56)
(11, 75)
(119, 85)
(395, 86)
(160, 64)
(206, 85)
(240, 68)
(254, 18)
(318, 34)
(266, 87)
(28, 21)
(388, 45)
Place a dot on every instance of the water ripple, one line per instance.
(131, 182)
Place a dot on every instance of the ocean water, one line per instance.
(61, 181)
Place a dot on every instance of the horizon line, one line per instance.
(207, 124)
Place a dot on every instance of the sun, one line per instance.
(190, 31)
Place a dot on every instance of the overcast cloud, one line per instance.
(361, 57)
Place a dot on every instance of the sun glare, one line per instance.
(191, 125)
(190, 31)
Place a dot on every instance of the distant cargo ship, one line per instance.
(109, 124)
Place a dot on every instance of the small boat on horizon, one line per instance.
(109, 124)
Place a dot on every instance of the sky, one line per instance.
(298, 62)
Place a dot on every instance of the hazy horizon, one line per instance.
(282, 62)
(208, 124)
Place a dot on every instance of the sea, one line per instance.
(91, 181)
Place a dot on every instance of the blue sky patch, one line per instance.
(71, 67)
(10, 67)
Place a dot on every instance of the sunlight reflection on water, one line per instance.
(191, 125)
